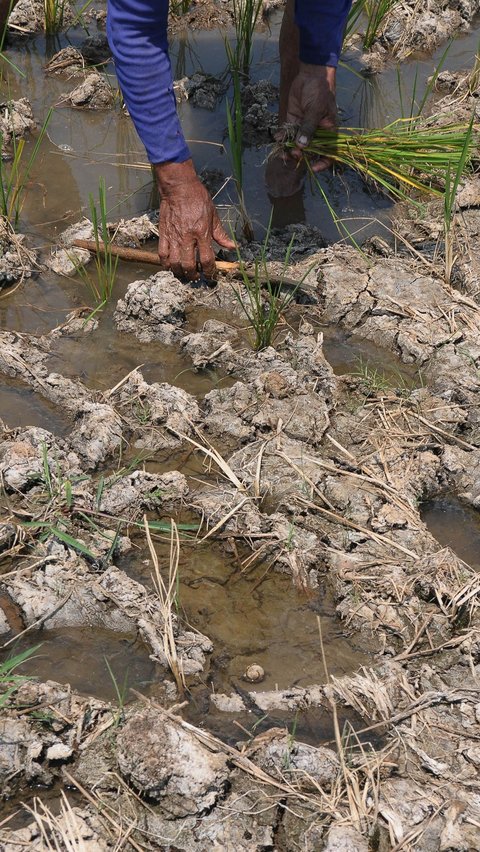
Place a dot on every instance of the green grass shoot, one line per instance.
(9, 681)
(101, 282)
(263, 302)
(245, 17)
(14, 175)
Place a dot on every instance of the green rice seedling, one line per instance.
(373, 13)
(120, 691)
(263, 302)
(9, 681)
(54, 13)
(235, 137)
(376, 12)
(3, 35)
(355, 14)
(14, 175)
(181, 7)
(406, 157)
(452, 183)
(245, 17)
(101, 282)
(415, 110)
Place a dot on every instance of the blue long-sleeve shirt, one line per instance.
(137, 33)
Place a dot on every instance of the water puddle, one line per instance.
(21, 406)
(79, 656)
(254, 616)
(454, 525)
(350, 355)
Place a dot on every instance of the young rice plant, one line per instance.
(14, 175)
(235, 137)
(374, 13)
(54, 12)
(263, 301)
(101, 282)
(245, 17)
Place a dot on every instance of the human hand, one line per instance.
(188, 222)
(312, 104)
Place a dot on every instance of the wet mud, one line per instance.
(307, 677)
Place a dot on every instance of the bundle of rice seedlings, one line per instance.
(405, 157)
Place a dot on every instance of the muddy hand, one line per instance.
(312, 104)
(188, 222)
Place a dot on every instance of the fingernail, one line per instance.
(302, 140)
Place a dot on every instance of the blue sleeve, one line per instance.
(137, 34)
(321, 24)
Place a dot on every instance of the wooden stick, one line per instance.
(142, 256)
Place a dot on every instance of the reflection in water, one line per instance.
(455, 525)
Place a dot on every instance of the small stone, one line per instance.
(254, 674)
(59, 751)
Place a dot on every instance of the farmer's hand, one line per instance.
(188, 222)
(312, 104)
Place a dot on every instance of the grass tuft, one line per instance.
(105, 262)
(263, 302)
(9, 681)
(15, 175)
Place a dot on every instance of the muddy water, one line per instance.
(21, 406)
(253, 615)
(94, 662)
(455, 525)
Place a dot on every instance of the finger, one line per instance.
(175, 263)
(163, 243)
(321, 165)
(306, 130)
(207, 258)
(188, 262)
(220, 235)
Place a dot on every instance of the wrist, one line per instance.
(319, 72)
(172, 177)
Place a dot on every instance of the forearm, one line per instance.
(321, 25)
(137, 34)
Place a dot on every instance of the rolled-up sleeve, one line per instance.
(321, 24)
(137, 34)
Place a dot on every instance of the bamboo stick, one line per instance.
(142, 256)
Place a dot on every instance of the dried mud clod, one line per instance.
(16, 120)
(95, 92)
(17, 262)
(28, 17)
(409, 27)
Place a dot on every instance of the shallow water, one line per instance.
(21, 406)
(93, 661)
(456, 525)
(253, 616)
